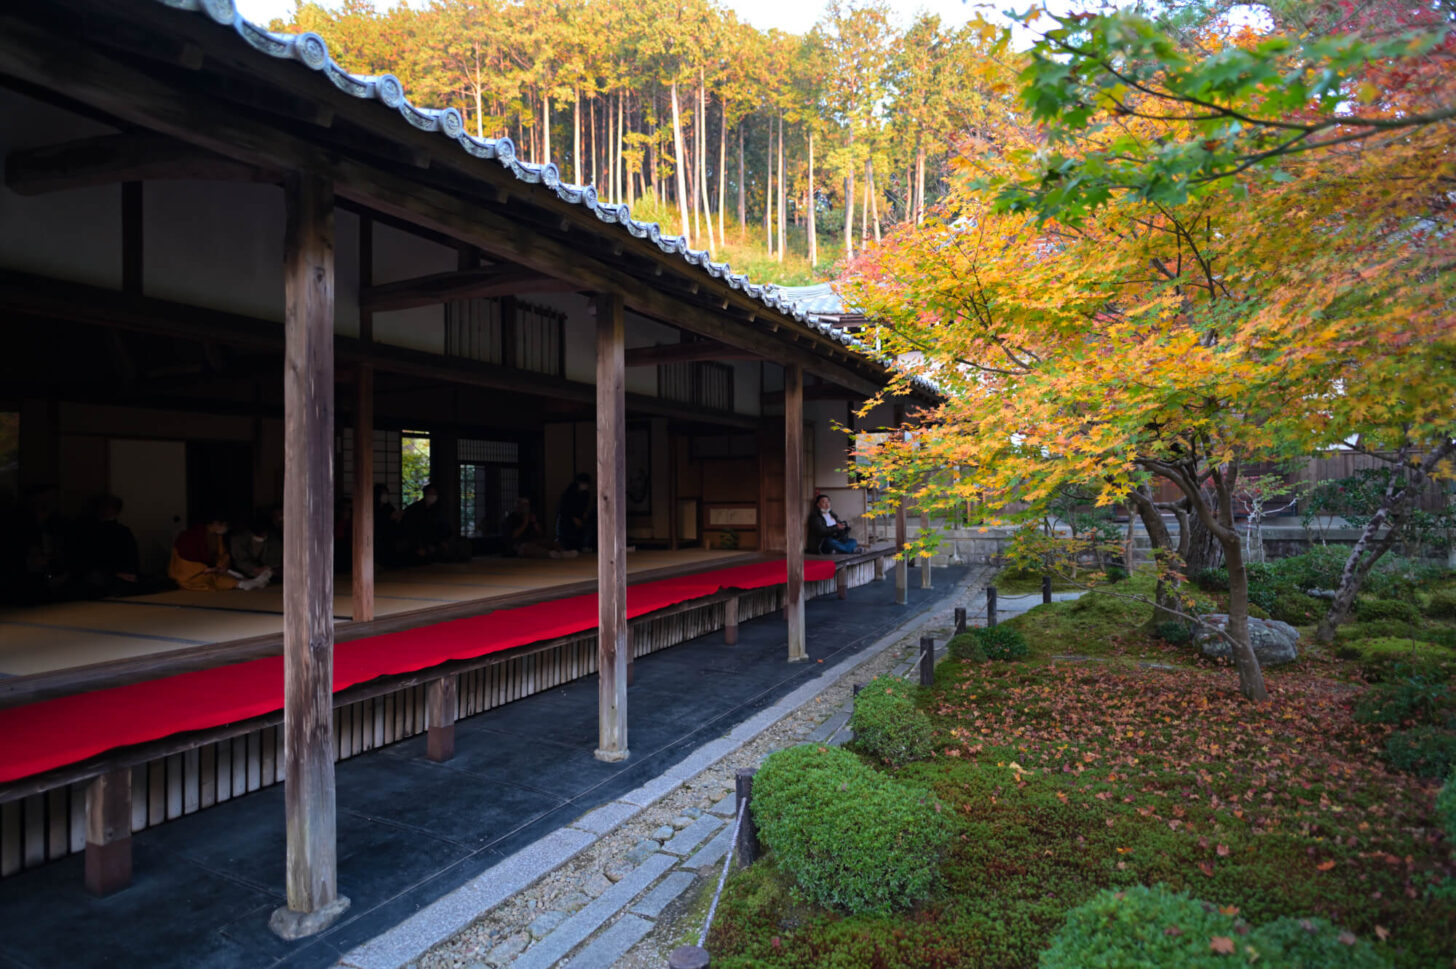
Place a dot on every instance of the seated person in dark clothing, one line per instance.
(389, 539)
(103, 551)
(525, 537)
(429, 534)
(827, 533)
(35, 568)
(249, 548)
(574, 515)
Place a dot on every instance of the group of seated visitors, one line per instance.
(213, 557)
(420, 534)
(525, 538)
(48, 558)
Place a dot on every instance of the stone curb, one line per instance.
(448, 915)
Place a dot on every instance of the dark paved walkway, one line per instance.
(411, 830)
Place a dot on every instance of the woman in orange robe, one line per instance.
(200, 559)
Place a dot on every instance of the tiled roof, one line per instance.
(312, 51)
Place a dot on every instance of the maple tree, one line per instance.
(1102, 303)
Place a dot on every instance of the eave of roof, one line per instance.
(311, 50)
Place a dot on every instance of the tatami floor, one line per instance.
(70, 634)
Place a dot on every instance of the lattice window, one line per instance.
(387, 469)
(473, 329)
(707, 385)
(490, 482)
(497, 452)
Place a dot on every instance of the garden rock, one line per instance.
(1327, 594)
(1274, 642)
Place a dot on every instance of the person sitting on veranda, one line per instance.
(827, 532)
(525, 537)
(250, 551)
(200, 560)
(573, 515)
(430, 535)
(104, 553)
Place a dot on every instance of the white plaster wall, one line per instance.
(421, 328)
(400, 255)
(73, 235)
(747, 393)
(218, 245)
(641, 332)
(346, 273)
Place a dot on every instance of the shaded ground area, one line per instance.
(411, 830)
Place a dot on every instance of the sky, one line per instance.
(794, 16)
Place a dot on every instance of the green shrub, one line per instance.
(1319, 568)
(1154, 928)
(887, 724)
(1174, 633)
(1291, 943)
(1387, 656)
(1417, 698)
(1441, 604)
(988, 642)
(853, 839)
(1212, 580)
(1446, 807)
(1373, 630)
(1425, 751)
(1369, 609)
(966, 646)
(1297, 609)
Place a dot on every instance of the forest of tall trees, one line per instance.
(788, 146)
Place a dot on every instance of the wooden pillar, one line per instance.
(108, 832)
(793, 510)
(902, 563)
(314, 901)
(611, 530)
(441, 704)
(730, 621)
(363, 565)
(925, 560)
(841, 582)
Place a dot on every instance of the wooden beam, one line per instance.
(108, 832)
(314, 901)
(612, 646)
(793, 509)
(112, 159)
(36, 55)
(699, 350)
(460, 284)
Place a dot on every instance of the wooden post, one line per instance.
(308, 560)
(879, 568)
(927, 661)
(1046, 589)
(841, 582)
(747, 847)
(363, 569)
(108, 832)
(793, 513)
(902, 564)
(990, 605)
(612, 649)
(730, 621)
(925, 560)
(441, 704)
(363, 565)
(960, 620)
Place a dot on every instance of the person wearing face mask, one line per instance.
(827, 533)
(575, 526)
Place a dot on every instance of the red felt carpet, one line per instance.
(42, 736)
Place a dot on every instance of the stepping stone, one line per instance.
(609, 947)
(664, 832)
(666, 892)
(546, 923)
(725, 807)
(580, 927)
(643, 850)
(693, 835)
(712, 852)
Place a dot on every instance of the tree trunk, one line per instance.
(864, 216)
(682, 188)
(722, 171)
(479, 113)
(1165, 604)
(849, 207)
(742, 188)
(812, 230)
(919, 184)
(768, 195)
(545, 128)
(576, 166)
(874, 202)
(593, 175)
(1395, 506)
(701, 126)
(621, 187)
(783, 192)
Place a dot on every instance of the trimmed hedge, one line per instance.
(1155, 928)
(1384, 656)
(853, 838)
(1368, 610)
(1441, 604)
(887, 724)
(988, 642)
(1414, 698)
(1425, 751)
